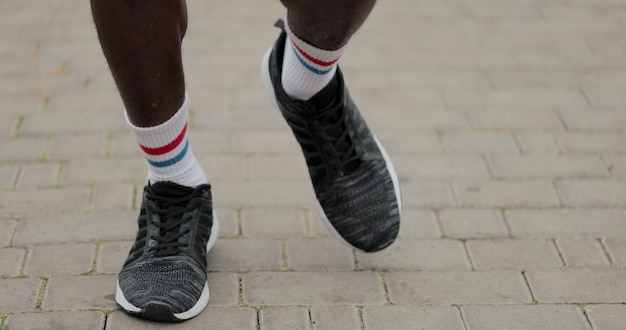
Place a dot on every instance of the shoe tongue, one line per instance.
(170, 189)
(325, 97)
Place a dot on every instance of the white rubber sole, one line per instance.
(269, 89)
(204, 297)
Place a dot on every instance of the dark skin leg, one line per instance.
(327, 24)
(141, 40)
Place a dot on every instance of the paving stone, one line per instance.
(329, 317)
(23, 293)
(605, 317)
(245, 255)
(538, 143)
(214, 317)
(266, 142)
(578, 285)
(86, 171)
(418, 224)
(427, 195)
(83, 320)
(278, 167)
(255, 193)
(273, 222)
(65, 259)
(460, 288)
(223, 288)
(412, 317)
(472, 223)
(112, 196)
(8, 175)
(38, 175)
(11, 260)
(582, 252)
(418, 167)
(220, 167)
(524, 317)
(585, 193)
(228, 222)
(417, 255)
(616, 248)
(111, 225)
(8, 227)
(514, 119)
(412, 117)
(506, 194)
(22, 149)
(284, 318)
(312, 288)
(591, 143)
(88, 146)
(594, 120)
(319, 254)
(513, 254)
(68, 293)
(617, 165)
(65, 122)
(480, 142)
(539, 167)
(516, 98)
(566, 223)
(111, 256)
(43, 202)
(395, 142)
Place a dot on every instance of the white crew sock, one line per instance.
(306, 68)
(167, 150)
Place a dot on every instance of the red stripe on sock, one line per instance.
(166, 148)
(313, 59)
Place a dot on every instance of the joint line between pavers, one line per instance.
(383, 277)
(583, 309)
(462, 317)
(467, 254)
(605, 249)
(530, 290)
(361, 317)
(558, 251)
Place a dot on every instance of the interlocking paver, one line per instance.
(83, 320)
(245, 255)
(541, 143)
(318, 254)
(616, 248)
(427, 195)
(39, 202)
(23, 293)
(284, 318)
(417, 255)
(566, 223)
(312, 288)
(111, 256)
(64, 259)
(330, 317)
(605, 317)
(68, 292)
(539, 167)
(412, 317)
(505, 194)
(219, 318)
(78, 146)
(578, 285)
(512, 119)
(435, 167)
(273, 222)
(38, 175)
(418, 224)
(519, 317)
(513, 254)
(8, 175)
(582, 252)
(480, 142)
(457, 287)
(8, 228)
(585, 193)
(11, 260)
(472, 223)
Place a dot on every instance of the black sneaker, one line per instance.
(357, 190)
(164, 277)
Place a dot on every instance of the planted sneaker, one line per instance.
(356, 188)
(164, 277)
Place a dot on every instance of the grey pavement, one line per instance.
(506, 121)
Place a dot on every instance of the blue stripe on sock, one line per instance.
(171, 161)
(307, 65)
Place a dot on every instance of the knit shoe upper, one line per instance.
(356, 187)
(164, 276)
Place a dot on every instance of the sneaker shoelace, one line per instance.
(331, 127)
(171, 211)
